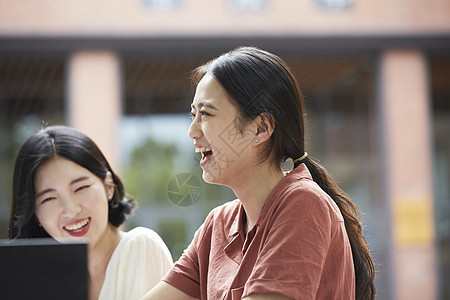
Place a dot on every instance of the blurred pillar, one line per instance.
(405, 112)
(94, 99)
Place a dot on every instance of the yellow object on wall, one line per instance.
(413, 221)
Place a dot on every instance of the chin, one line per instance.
(212, 178)
(208, 178)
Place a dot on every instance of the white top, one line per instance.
(138, 263)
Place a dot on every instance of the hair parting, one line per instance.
(73, 145)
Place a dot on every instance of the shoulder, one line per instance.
(142, 239)
(138, 263)
(307, 190)
(140, 234)
(219, 218)
(224, 215)
(303, 195)
(226, 211)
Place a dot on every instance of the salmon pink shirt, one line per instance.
(298, 248)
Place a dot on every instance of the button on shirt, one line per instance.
(298, 248)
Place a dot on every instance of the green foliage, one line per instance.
(174, 233)
(152, 166)
(149, 171)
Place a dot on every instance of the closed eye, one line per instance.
(82, 188)
(47, 199)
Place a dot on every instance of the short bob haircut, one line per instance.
(44, 145)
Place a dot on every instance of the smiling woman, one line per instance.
(294, 235)
(64, 188)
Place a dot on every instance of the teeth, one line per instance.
(202, 149)
(77, 226)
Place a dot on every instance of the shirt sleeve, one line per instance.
(150, 262)
(295, 247)
(185, 274)
(140, 261)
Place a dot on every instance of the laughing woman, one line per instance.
(64, 188)
(287, 236)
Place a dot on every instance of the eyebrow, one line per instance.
(79, 179)
(52, 190)
(203, 104)
(44, 192)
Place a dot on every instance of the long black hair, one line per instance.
(260, 83)
(68, 143)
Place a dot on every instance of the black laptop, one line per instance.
(43, 269)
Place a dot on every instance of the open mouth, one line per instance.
(77, 226)
(205, 151)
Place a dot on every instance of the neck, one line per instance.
(255, 189)
(100, 253)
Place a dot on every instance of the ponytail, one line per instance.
(259, 82)
(362, 260)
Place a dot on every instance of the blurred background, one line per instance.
(375, 75)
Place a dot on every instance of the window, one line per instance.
(247, 5)
(162, 5)
(334, 4)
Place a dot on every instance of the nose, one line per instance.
(194, 129)
(70, 207)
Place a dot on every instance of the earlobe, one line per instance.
(109, 185)
(110, 192)
(37, 220)
(265, 125)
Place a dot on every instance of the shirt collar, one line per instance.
(237, 225)
(299, 173)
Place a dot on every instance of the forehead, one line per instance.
(58, 169)
(210, 90)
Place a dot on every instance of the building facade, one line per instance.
(375, 74)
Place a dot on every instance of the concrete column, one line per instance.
(94, 99)
(405, 113)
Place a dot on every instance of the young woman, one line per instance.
(287, 236)
(64, 188)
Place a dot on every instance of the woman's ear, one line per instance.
(265, 125)
(109, 185)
